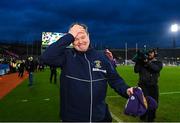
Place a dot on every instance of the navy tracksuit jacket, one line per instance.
(83, 80)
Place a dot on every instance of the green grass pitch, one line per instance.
(41, 102)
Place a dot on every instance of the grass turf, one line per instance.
(41, 102)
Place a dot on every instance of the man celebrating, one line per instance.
(85, 74)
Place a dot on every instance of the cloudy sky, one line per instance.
(110, 22)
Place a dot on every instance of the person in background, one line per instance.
(111, 58)
(149, 72)
(21, 68)
(53, 74)
(30, 69)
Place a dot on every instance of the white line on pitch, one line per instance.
(115, 117)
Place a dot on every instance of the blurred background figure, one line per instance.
(21, 68)
(30, 68)
(53, 74)
(111, 58)
(41, 67)
(13, 65)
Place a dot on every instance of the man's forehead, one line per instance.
(81, 34)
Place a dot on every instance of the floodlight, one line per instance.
(174, 28)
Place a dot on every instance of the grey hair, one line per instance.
(80, 24)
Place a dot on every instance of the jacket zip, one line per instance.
(90, 74)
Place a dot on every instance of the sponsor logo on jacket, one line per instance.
(97, 66)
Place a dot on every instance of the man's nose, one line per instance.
(80, 41)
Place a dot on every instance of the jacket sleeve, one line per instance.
(54, 55)
(155, 66)
(115, 80)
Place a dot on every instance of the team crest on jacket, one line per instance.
(97, 64)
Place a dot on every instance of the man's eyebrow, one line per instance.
(76, 38)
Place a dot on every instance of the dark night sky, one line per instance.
(110, 22)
